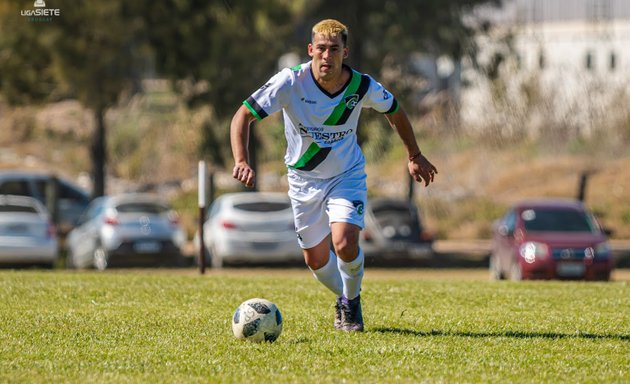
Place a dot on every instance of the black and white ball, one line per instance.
(257, 320)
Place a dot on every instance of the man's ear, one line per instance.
(310, 49)
(345, 53)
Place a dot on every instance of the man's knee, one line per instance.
(317, 257)
(346, 242)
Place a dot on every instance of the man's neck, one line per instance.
(336, 83)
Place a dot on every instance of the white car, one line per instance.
(27, 234)
(250, 227)
(126, 230)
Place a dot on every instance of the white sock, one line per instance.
(329, 275)
(352, 275)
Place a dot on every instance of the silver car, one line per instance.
(27, 235)
(60, 196)
(250, 227)
(126, 230)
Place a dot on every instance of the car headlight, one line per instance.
(531, 250)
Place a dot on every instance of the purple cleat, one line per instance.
(351, 314)
(338, 314)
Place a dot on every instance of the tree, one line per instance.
(90, 52)
(398, 29)
(216, 53)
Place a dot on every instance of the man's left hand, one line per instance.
(421, 169)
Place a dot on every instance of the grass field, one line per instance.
(172, 326)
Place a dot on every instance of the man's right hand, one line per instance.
(245, 174)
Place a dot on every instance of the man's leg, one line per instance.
(345, 238)
(346, 243)
(323, 264)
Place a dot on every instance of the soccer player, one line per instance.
(321, 101)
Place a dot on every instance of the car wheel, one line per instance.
(100, 258)
(216, 261)
(516, 272)
(495, 271)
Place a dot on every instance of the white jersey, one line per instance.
(320, 128)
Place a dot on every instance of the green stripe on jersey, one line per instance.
(252, 110)
(311, 151)
(340, 108)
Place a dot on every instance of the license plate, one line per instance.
(570, 269)
(17, 229)
(147, 247)
(400, 246)
(263, 246)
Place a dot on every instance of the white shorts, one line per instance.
(319, 202)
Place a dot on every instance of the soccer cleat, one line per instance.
(338, 314)
(351, 315)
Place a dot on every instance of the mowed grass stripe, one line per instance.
(138, 326)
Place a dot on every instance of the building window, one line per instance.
(589, 61)
(612, 64)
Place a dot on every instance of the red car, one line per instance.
(550, 239)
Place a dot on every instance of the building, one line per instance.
(569, 67)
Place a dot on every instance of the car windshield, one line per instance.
(263, 206)
(557, 220)
(17, 208)
(147, 208)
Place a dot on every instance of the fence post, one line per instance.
(202, 215)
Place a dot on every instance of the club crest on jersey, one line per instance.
(351, 101)
(359, 206)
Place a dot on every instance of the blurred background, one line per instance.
(510, 99)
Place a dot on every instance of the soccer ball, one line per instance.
(257, 320)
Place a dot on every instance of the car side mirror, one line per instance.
(607, 231)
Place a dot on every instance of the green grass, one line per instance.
(164, 326)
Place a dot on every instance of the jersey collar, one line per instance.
(325, 92)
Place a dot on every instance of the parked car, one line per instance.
(394, 229)
(126, 230)
(27, 235)
(549, 239)
(250, 227)
(71, 199)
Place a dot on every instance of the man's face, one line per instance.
(327, 53)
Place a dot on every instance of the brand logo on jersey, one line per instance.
(386, 95)
(359, 206)
(307, 101)
(265, 86)
(351, 101)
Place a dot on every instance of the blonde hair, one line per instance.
(332, 28)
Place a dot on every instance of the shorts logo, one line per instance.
(359, 206)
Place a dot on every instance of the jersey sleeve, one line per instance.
(272, 96)
(380, 99)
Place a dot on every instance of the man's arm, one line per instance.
(239, 138)
(419, 167)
